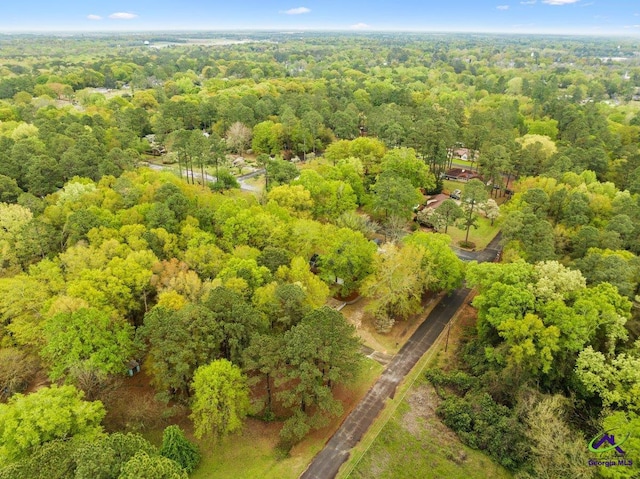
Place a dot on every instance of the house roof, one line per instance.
(462, 173)
(462, 152)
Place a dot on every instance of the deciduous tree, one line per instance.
(616, 381)
(557, 450)
(394, 195)
(396, 286)
(446, 214)
(88, 339)
(55, 412)
(220, 398)
(330, 198)
(348, 258)
(491, 210)
(239, 137)
(104, 458)
(404, 163)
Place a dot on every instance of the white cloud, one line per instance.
(559, 2)
(123, 16)
(360, 26)
(503, 7)
(296, 11)
(94, 17)
(529, 2)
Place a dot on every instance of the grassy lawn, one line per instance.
(465, 165)
(415, 444)
(481, 235)
(253, 452)
(409, 441)
(449, 186)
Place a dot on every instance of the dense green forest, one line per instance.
(221, 293)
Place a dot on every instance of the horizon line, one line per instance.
(289, 30)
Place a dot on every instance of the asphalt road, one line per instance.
(487, 254)
(241, 179)
(326, 464)
(328, 461)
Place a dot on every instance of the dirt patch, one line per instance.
(380, 465)
(391, 342)
(39, 381)
(132, 406)
(422, 422)
(423, 402)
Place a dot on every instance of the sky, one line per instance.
(602, 17)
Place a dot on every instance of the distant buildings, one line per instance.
(463, 153)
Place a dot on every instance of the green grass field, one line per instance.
(449, 186)
(481, 236)
(414, 444)
(249, 454)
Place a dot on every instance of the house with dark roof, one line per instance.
(460, 174)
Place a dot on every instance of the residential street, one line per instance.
(326, 464)
(485, 255)
(328, 461)
(241, 179)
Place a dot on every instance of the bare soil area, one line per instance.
(389, 343)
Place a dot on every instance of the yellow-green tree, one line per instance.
(56, 412)
(220, 398)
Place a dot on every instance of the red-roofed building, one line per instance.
(460, 174)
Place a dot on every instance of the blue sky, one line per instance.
(621, 17)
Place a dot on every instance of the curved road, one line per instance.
(326, 463)
(241, 179)
(488, 254)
